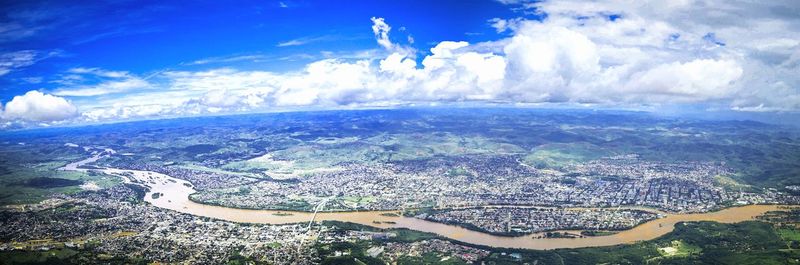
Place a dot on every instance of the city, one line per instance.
(449, 132)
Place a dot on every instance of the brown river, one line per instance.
(176, 197)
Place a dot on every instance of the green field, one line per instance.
(560, 155)
(29, 173)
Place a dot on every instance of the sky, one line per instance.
(108, 61)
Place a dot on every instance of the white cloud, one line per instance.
(221, 99)
(381, 31)
(99, 72)
(104, 88)
(307, 40)
(760, 39)
(106, 82)
(33, 79)
(36, 106)
(229, 59)
(14, 60)
(295, 42)
(550, 64)
(122, 112)
(697, 80)
(503, 25)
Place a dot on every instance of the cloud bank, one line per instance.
(728, 55)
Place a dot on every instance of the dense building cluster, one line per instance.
(116, 222)
(384, 246)
(78, 215)
(480, 180)
(525, 220)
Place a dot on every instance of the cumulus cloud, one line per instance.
(39, 107)
(733, 54)
(697, 80)
(381, 31)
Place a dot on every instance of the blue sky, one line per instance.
(144, 37)
(104, 61)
